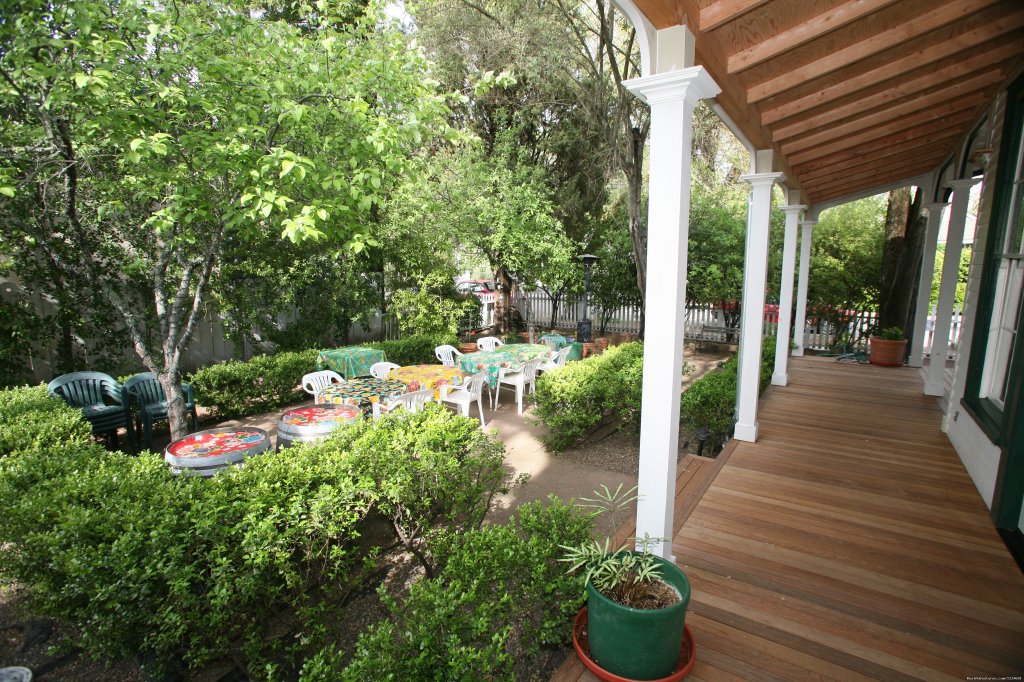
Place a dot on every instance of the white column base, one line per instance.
(915, 362)
(780, 379)
(798, 352)
(746, 432)
(935, 389)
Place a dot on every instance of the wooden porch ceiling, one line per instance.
(841, 88)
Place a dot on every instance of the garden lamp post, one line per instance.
(583, 329)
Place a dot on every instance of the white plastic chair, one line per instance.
(557, 360)
(464, 395)
(489, 343)
(314, 382)
(448, 355)
(413, 402)
(379, 370)
(519, 376)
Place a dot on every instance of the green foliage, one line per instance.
(846, 256)
(574, 399)
(891, 334)
(501, 596)
(415, 350)
(710, 402)
(235, 389)
(961, 284)
(434, 308)
(33, 421)
(717, 235)
(166, 567)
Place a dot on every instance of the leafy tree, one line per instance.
(142, 140)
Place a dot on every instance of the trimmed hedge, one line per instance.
(573, 399)
(502, 596)
(190, 569)
(415, 350)
(236, 389)
(30, 419)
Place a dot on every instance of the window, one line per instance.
(997, 332)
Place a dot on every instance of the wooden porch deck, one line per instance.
(848, 543)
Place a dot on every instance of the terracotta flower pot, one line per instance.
(589, 349)
(601, 343)
(467, 348)
(886, 353)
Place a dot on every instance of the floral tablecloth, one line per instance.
(362, 392)
(207, 451)
(351, 361)
(418, 377)
(509, 355)
(318, 416)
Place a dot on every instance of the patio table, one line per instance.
(418, 377)
(509, 355)
(313, 423)
(206, 452)
(362, 392)
(350, 361)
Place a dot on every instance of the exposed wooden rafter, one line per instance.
(724, 11)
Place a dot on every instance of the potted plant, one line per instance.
(636, 604)
(888, 348)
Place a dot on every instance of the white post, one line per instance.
(924, 287)
(755, 272)
(672, 97)
(935, 385)
(780, 377)
(806, 229)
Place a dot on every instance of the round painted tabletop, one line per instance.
(216, 446)
(322, 415)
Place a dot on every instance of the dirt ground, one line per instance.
(608, 458)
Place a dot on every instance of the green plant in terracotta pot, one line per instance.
(888, 348)
(636, 602)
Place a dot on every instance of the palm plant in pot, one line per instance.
(636, 604)
(888, 348)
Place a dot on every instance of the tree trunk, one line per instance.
(503, 303)
(901, 260)
(177, 415)
(635, 179)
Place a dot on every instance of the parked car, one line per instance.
(475, 286)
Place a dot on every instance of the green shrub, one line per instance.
(710, 402)
(30, 419)
(574, 399)
(236, 389)
(166, 567)
(501, 596)
(415, 350)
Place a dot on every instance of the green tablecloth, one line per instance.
(508, 355)
(351, 361)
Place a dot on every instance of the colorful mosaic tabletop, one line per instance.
(509, 355)
(351, 361)
(362, 392)
(322, 415)
(216, 447)
(418, 377)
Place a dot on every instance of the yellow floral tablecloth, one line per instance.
(362, 392)
(418, 377)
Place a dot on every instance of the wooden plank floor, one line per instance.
(848, 543)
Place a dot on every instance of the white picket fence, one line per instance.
(820, 332)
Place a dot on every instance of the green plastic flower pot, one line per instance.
(638, 644)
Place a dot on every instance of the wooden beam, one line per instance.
(905, 168)
(848, 157)
(944, 14)
(974, 40)
(846, 189)
(860, 106)
(937, 99)
(893, 156)
(881, 124)
(804, 32)
(722, 12)
(956, 122)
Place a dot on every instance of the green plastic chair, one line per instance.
(147, 395)
(101, 400)
(555, 342)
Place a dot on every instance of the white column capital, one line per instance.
(692, 84)
(763, 179)
(809, 224)
(962, 183)
(793, 208)
(936, 206)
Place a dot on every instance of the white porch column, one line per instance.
(935, 385)
(924, 287)
(672, 97)
(806, 230)
(755, 272)
(780, 377)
